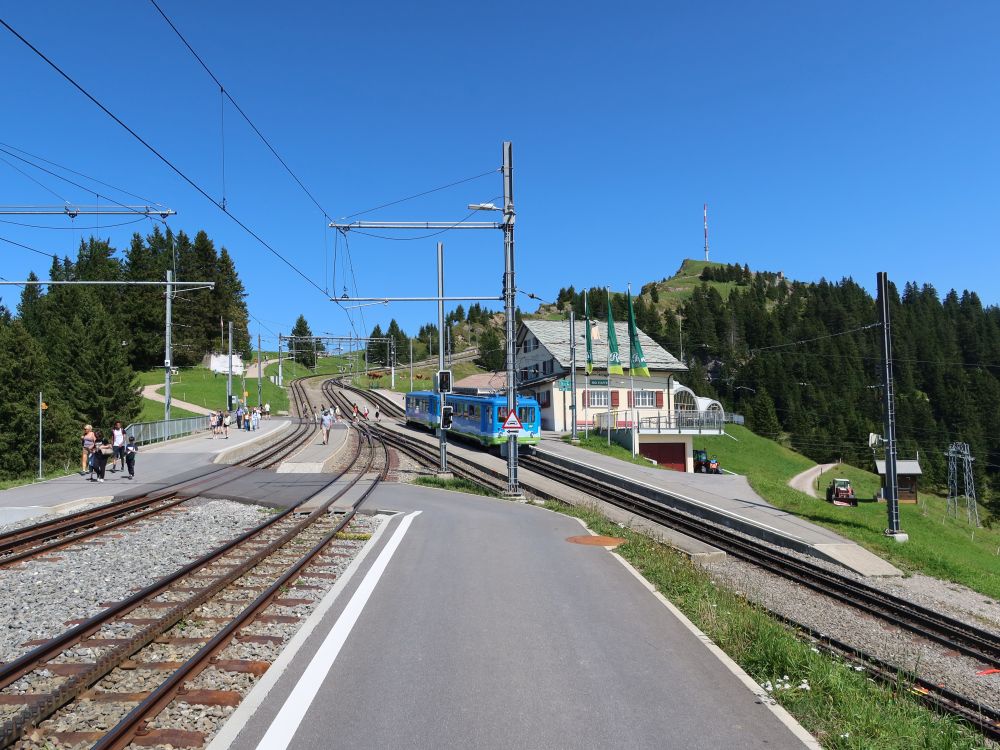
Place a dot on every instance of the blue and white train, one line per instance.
(478, 418)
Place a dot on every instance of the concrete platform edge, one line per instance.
(749, 682)
(232, 454)
(255, 698)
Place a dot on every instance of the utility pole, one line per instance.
(41, 408)
(706, 230)
(229, 375)
(889, 412)
(442, 434)
(572, 378)
(168, 359)
(411, 364)
(513, 490)
(260, 367)
(281, 382)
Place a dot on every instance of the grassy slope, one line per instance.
(939, 546)
(200, 386)
(152, 411)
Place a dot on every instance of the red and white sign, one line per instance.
(512, 423)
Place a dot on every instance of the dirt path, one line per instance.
(806, 481)
(149, 392)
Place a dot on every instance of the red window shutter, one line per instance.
(630, 400)
(614, 398)
(659, 399)
(586, 399)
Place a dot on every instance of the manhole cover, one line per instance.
(596, 541)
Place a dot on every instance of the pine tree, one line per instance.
(302, 346)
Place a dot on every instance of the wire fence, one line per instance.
(166, 429)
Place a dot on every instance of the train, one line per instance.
(476, 418)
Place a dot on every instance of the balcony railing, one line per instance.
(680, 421)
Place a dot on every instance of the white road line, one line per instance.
(286, 723)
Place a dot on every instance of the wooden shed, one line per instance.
(907, 471)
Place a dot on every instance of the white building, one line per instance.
(657, 412)
(219, 363)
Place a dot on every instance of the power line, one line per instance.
(816, 338)
(32, 249)
(158, 155)
(239, 109)
(72, 228)
(37, 182)
(420, 195)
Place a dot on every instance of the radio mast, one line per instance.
(706, 230)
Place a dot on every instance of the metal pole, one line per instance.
(442, 435)
(281, 381)
(168, 351)
(888, 411)
(392, 362)
(508, 302)
(39, 434)
(229, 376)
(572, 376)
(411, 365)
(260, 367)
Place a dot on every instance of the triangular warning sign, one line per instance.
(512, 423)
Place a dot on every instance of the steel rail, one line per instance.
(122, 734)
(32, 714)
(971, 641)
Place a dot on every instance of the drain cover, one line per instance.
(596, 541)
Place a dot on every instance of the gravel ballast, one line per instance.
(41, 596)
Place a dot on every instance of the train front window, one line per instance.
(526, 414)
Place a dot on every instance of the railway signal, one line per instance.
(444, 381)
(447, 416)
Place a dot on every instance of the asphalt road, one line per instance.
(489, 629)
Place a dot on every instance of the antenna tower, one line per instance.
(705, 214)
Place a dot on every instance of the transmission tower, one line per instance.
(955, 452)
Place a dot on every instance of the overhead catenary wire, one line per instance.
(159, 155)
(34, 180)
(73, 228)
(32, 249)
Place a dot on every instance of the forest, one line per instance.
(802, 363)
(81, 345)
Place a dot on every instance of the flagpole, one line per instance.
(608, 290)
(631, 371)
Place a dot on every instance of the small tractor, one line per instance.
(705, 465)
(840, 492)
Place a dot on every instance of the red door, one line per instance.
(671, 455)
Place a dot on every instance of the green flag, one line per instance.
(590, 345)
(614, 359)
(637, 362)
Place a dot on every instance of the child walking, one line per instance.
(130, 450)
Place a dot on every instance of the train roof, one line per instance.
(527, 400)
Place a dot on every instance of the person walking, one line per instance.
(226, 420)
(364, 413)
(102, 452)
(355, 412)
(327, 423)
(88, 442)
(376, 413)
(130, 450)
(267, 410)
(118, 446)
(336, 413)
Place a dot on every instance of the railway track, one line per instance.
(237, 582)
(58, 533)
(953, 634)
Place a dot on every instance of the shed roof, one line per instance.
(908, 467)
(554, 336)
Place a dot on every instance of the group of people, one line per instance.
(247, 418)
(97, 448)
(325, 417)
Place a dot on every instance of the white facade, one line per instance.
(220, 363)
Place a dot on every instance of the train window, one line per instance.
(526, 414)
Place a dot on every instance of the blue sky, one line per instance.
(828, 140)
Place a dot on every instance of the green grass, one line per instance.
(200, 386)
(939, 546)
(457, 484)
(50, 474)
(842, 708)
(423, 377)
(152, 411)
(599, 444)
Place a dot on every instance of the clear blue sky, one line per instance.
(829, 140)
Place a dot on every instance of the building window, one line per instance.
(598, 399)
(645, 399)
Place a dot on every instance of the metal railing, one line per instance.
(166, 429)
(679, 421)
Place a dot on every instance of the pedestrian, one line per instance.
(364, 413)
(102, 452)
(255, 423)
(226, 421)
(315, 415)
(376, 413)
(88, 441)
(130, 450)
(216, 424)
(336, 413)
(327, 423)
(267, 410)
(246, 420)
(239, 417)
(118, 446)
(355, 412)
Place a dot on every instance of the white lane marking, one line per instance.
(256, 697)
(286, 723)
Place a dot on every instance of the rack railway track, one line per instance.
(47, 536)
(277, 551)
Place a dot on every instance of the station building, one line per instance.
(660, 422)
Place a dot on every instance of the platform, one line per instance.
(727, 499)
(477, 623)
(316, 458)
(156, 466)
